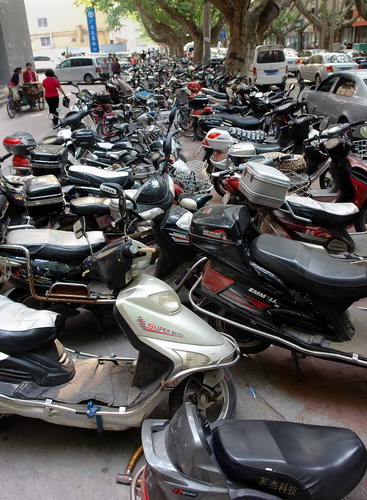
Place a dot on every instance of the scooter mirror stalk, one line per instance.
(79, 229)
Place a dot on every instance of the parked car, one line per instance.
(358, 56)
(319, 66)
(306, 54)
(293, 60)
(270, 65)
(79, 69)
(41, 63)
(342, 96)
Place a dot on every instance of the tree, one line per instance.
(247, 21)
(322, 19)
(361, 7)
(288, 20)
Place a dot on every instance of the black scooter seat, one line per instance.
(309, 270)
(246, 122)
(90, 205)
(58, 246)
(290, 460)
(23, 329)
(214, 93)
(200, 199)
(269, 147)
(330, 215)
(94, 176)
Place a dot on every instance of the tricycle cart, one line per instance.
(29, 94)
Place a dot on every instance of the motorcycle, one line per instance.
(252, 459)
(42, 379)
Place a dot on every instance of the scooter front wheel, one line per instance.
(217, 403)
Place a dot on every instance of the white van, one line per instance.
(79, 69)
(270, 65)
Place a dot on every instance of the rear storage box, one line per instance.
(264, 185)
(19, 143)
(83, 138)
(43, 196)
(49, 159)
(222, 232)
(241, 152)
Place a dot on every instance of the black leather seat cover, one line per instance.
(310, 270)
(216, 95)
(90, 205)
(246, 123)
(290, 460)
(268, 147)
(93, 176)
(200, 199)
(23, 329)
(323, 218)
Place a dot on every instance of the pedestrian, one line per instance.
(52, 87)
(105, 67)
(143, 55)
(29, 75)
(133, 60)
(110, 57)
(115, 67)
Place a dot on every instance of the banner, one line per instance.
(92, 29)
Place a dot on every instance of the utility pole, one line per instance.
(206, 32)
(331, 42)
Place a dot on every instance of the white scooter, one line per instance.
(178, 353)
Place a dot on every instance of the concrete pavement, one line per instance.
(39, 460)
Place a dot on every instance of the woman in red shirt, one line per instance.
(52, 87)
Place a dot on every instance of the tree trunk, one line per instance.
(280, 38)
(198, 48)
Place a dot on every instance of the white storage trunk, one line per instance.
(264, 185)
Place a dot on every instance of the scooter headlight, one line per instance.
(168, 300)
(192, 359)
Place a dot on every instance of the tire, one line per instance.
(184, 123)
(99, 129)
(10, 108)
(298, 76)
(218, 187)
(317, 80)
(361, 224)
(88, 79)
(326, 180)
(246, 342)
(41, 103)
(191, 388)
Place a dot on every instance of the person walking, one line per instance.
(105, 69)
(52, 87)
(29, 75)
(115, 67)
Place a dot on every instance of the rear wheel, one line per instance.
(10, 108)
(217, 402)
(88, 79)
(327, 181)
(217, 184)
(185, 123)
(41, 103)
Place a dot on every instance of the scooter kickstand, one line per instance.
(296, 362)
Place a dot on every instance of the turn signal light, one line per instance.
(254, 70)
(329, 68)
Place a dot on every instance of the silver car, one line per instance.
(319, 66)
(342, 96)
(293, 60)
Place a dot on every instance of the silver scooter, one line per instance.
(178, 353)
(247, 459)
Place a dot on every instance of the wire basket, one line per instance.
(299, 185)
(192, 177)
(361, 148)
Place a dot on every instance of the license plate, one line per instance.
(290, 62)
(344, 69)
(271, 72)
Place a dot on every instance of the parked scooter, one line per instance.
(178, 352)
(247, 459)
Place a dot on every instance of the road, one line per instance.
(40, 460)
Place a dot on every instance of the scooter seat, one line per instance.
(94, 176)
(268, 147)
(23, 329)
(90, 205)
(214, 93)
(290, 460)
(59, 246)
(246, 122)
(198, 199)
(330, 215)
(309, 270)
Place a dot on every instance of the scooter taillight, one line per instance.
(144, 495)
(213, 281)
(21, 161)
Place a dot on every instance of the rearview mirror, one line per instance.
(172, 115)
(292, 86)
(79, 228)
(167, 147)
(324, 123)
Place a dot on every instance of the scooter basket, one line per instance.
(299, 185)
(192, 177)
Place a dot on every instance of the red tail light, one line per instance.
(286, 69)
(98, 70)
(254, 71)
(329, 68)
(144, 495)
(213, 135)
(21, 161)
(359, 66)
(299, 61)
(205, 142)
(11, 140)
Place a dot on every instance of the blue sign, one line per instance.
(223, 34)
(92, 29)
